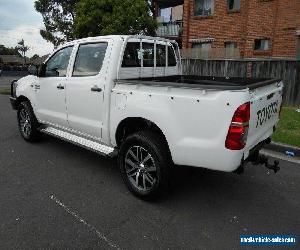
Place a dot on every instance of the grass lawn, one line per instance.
(5, 91)
(288, 130)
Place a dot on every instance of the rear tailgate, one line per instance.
(265, 106)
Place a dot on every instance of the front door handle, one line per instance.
(60, 86)
(96, 89)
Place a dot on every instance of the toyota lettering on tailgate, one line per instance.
(266, 113)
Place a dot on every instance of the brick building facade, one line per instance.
(257, 28)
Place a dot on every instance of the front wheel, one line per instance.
(28, 124)
(144, 161)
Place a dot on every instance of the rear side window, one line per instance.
(171, 57)
(132, 56)
(148, 54)
(160, 55)
(89, 59)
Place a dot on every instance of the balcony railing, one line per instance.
(169, 29)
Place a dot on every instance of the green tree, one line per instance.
(8, 51)
(22, 48)
(58, 17)
(35, 56)
(105, 17)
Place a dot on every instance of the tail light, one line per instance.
(238, 129)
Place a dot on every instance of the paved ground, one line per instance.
(6, 80)
(56, 195)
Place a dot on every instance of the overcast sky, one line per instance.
(19, 19)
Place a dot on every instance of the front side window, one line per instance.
(89, 59)
(234, 4)
(261, 44)
(132, 55)
(204, 7)
(57, 65)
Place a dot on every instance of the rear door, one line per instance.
(85, 89)
(265, 107)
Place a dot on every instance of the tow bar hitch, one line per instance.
(264, 160)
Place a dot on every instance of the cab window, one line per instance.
(171, 57)
(160, 55)
(132, 55)
(57, 65)
(148, 54)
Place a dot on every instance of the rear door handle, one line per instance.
(96, 89)
(60, 86)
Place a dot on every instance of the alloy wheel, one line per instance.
(25, 124)
(140, 168)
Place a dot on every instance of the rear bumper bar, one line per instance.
(258, 159)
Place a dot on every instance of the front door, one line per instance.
(85, 90)
(50, 89)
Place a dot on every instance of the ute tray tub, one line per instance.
(200, 82)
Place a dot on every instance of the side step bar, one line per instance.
(80, 141)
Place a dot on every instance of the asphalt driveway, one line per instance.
(59, 196)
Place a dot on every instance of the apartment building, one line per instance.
(254, 28)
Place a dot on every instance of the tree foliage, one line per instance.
(34, 57)
(22, 48)
(105, 17)
(68, 19)
(9, 51)
(58, 17)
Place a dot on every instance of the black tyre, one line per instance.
(28, 124)
(144, 161)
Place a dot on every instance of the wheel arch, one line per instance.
(20, 99)
(132, 125)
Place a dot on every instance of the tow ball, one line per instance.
(264, 160)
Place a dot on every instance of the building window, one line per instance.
(261, 44)
(234, 4)
(230, 45)
(202, 46)
(204, 7)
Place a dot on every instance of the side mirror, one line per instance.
(42, 70)
(32, 69)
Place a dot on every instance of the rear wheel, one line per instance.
(28, 124)
(144, 162)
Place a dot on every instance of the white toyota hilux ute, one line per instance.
(126, 96)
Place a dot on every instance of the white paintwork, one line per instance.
(195, 122)
(52, 110)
